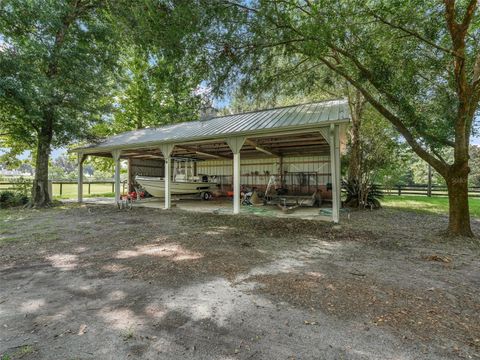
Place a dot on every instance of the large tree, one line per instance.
(55, 64)
(154, 90)
(416, 63)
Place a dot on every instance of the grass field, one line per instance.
(424, 204)
(70, 190)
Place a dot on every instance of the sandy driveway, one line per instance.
(94, 282)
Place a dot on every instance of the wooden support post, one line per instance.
(429, 189)
(61, 189)
(235, 144)
(89, 188)
(166, 150)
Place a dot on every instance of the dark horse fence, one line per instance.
(425, 190)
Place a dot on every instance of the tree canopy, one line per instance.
(416, 63)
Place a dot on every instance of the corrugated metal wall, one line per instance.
(301, 174)
(153, 167)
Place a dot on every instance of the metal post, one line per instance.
(236, 183)
(338, 169)
(81, 158)
(166, 150)
(116, 160)
(130, 176)
(235, 145)
(280, 168)
(334, 169)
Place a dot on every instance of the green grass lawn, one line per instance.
(433, 205)
(92, 195)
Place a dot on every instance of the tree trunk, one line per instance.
(40, 195)
(459, 212)
(354, 159)
(356, 102)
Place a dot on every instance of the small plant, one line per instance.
(362, 196)
(128, 334)
(24, 350)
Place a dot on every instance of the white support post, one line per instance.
(166, 150)
(81, 158)
(235, 145)
(338, 172)
(116, 161)
(335, 171)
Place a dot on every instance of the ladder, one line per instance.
(272, 182)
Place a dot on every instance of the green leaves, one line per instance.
(55, 56)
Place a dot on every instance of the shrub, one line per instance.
(12, 199)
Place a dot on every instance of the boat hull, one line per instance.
(156, 186)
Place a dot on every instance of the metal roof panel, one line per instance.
(230, 125)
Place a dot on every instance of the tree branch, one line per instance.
(412, 33)
(438, 164)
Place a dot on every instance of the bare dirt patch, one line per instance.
(95, 282)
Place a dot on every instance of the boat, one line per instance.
(183, 182)
(155, 186)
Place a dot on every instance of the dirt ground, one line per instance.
(94, 282)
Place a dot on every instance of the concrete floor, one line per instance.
(225, 206)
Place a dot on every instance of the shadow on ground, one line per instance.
(91, 282)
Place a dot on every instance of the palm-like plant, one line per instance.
(360, 195)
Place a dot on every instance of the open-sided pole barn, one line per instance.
(300, 145)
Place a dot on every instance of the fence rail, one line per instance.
(424, 190)
(66, 187)
(69, 187)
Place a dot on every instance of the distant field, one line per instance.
(433, 205)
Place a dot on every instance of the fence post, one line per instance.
(113, 187)
(61, 189)
(399, 190)
(429, 188)
(89, 184)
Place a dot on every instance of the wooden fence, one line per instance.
(66, 187)
(69, 187)
(424, 190)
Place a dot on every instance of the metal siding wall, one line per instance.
(319, 164)
(151, 167)
(256, 172)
